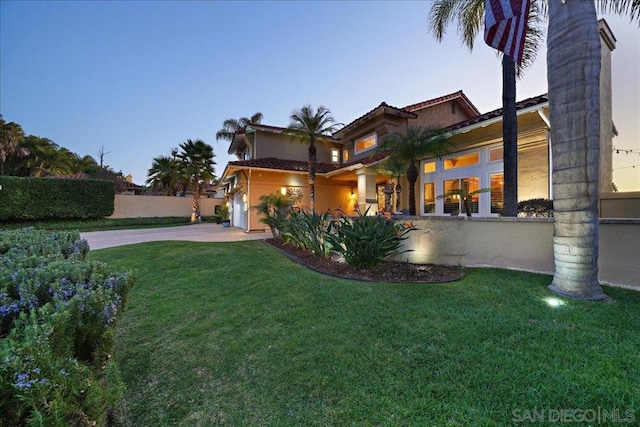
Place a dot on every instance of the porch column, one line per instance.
(367, 193)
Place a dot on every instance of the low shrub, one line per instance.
(535, 208)
(99, 223)
(57, 314)
(366, 240)
(308, 231)
(274, 209)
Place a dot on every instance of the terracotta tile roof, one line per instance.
(384, 107)
(471, 109)
(266, 127)
(283, 164)
(526, 103)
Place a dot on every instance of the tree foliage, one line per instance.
(308, 125)
(231, 126)
(408, 148)
(195, 160)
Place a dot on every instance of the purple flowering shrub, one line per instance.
(57, 314)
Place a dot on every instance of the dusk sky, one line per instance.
(138, 78)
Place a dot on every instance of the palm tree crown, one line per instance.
(408, 148)
(308, 125)
(163, 174)
(10, 136)
(231, 126)
(196, 160)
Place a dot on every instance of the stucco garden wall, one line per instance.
(520, 244)
(130, 206)
(620, 205)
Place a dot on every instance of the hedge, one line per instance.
(55, 198)
(57, 317)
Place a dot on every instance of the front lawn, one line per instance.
(236, 333)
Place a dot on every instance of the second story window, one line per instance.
(335, 155)
(366, 143)
(345, 156)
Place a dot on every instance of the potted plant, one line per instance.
(223, 212)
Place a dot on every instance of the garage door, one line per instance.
(238, 210)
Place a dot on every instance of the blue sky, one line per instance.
(140, 77)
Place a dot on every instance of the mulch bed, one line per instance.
(387, 271)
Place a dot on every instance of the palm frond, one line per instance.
(471, 21)
(629, 8)
(307, 124)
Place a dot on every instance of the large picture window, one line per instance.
(459, 174)
(429, 198)
(497, 192)
(461, 161)
(453, 203)
(366, 143)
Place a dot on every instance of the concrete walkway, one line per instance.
(205, 232)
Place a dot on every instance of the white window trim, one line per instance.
(483, 170)
(335, 154)
(375, 144)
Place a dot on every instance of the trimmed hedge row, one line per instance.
(55, 198)
(57, 314)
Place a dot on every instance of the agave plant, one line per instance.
(365, 241)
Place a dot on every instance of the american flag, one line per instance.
(505, 26)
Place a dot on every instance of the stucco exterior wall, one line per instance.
(533, 173)
(440, 115)
(283, 147)
(130, 206)
(620, 205)
(330, 194)
(519, 244)
(382, 125)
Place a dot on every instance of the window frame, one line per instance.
(483, 170)
(356, 151)
(335, 156)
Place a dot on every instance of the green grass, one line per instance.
(236, 333)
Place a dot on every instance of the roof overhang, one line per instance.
(498, 119)
(238, 138)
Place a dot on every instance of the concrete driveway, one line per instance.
(204, 232)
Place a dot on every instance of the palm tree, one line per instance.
(308, 125)
(47, 158)
(10, 136)
(469, 15)
(196, 160)
(573, 73)
(86, 164)
(231, 126)
(163, 174)
(408, 148)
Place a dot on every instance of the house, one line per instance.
(348, 177)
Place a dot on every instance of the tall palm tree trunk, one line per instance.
(195, 203)
(573, 72)
(313, 157)
(412, 177)
(509, 137)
